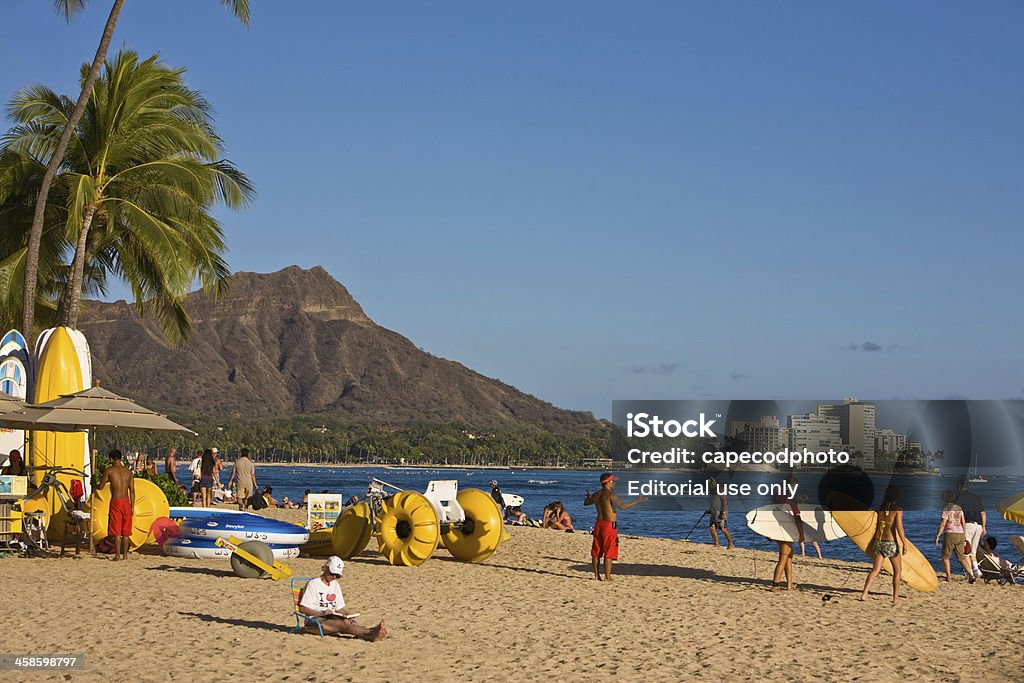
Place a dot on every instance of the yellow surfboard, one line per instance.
(860, 526)
(58, 372)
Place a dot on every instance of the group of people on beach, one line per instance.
(962, 525)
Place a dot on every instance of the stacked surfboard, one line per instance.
(201, 528)
(14, 381)
(63, 365)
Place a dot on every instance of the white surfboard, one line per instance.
(778, 523)
(14, 381)
(512, 500)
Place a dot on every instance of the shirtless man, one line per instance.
(171, 465)
(122, 500)
(606, 535)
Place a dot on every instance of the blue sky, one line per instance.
(596, 201)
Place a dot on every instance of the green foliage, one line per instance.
(133, 199)
(100, 465)
(175, 496)
(306, 439)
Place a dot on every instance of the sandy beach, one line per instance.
(532, 612)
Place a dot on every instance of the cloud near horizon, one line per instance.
(873, 347)
(659, 369)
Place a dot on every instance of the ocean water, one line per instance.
(675, 519)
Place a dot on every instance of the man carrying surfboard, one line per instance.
(606, 535)
(122, 502)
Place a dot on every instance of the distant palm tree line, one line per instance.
(296, 441)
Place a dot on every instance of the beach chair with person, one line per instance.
(994, 568)
(301, 620)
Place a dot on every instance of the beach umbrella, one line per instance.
(1012, 508)
(94, 409)
(16, 414)
(10, 404)
(97, 408)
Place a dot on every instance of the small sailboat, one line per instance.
(975, 477)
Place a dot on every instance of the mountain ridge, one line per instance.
(295, 342)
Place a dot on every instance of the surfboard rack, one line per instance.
(278, 570)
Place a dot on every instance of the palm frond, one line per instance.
(69, 8)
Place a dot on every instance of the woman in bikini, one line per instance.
(555, 517)
(889, 542)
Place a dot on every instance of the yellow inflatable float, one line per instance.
(475, 539)
(407, 529)
(351, 533)
(150, 504)
(319, 543)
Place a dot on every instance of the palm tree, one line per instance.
(240, 8)
(139, 178)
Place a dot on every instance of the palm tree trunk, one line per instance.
(67, 312)
(36, 236)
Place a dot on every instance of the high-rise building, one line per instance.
(856, 426)
(814, 432)
(888, 441)
(763, 435)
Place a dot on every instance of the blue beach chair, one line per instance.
(298, 585)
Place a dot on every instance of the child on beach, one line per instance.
(890, 541)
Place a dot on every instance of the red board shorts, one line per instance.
(606, 540)
(119, 521)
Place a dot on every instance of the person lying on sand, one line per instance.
(322, 598)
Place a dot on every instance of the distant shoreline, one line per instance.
(503, 468)
(349, 465)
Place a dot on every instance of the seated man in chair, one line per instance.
(322, 599)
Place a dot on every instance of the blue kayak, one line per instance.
(245, 526)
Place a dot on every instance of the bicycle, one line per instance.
(35, 508)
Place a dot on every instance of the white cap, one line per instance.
(214, 450)
(335, 565)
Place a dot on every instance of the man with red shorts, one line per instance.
(606, 535)
(122, 501)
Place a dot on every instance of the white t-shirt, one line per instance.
(196, 467)
(322, 596)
